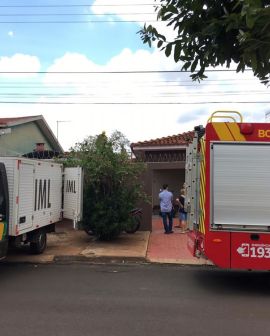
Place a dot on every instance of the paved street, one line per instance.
(84, 299)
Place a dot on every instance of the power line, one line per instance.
(144, 85)
(196, 86)
(114, 72)
(27, 83)
(133, 103)
(76, 14)
(18, 84)
(87, 21)
(79, 5)
(140, 85)
(125, 94)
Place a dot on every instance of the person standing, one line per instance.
(182, 212)
(166, 199)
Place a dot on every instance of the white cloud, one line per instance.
(141, 11)
(137, 11)
(141, 122)
(176, 97)
(19, 63)
(102, 84)
(137, 121)
(72, 62)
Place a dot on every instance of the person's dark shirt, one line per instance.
(182, 203)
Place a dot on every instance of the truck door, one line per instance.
(25, 196)
(73, 194)
(4, 211)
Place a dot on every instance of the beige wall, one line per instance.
(173, 177)
(146, 179)
(22, 140)
(155, 175)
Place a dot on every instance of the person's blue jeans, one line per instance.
(167, 219)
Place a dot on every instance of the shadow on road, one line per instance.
(234, 282)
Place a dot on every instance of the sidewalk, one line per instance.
(69, 245)
(170, 248)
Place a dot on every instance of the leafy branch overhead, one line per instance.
(213, 33)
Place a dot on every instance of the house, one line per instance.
(165, 159)
(28, 136)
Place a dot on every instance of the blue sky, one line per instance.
(105, 94)
(98, 41)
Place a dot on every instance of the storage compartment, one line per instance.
(240, 180)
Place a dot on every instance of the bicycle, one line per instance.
(136, 215)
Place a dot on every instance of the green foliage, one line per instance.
(213, 33)
(111, 185)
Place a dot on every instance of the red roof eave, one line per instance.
(175, 141)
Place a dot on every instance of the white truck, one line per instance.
(34, 195)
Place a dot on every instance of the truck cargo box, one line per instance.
(38, 190)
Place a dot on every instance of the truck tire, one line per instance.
(39, 242)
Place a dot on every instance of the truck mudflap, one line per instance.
(250, 251)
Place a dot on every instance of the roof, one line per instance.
(40, 121)
(177, 140)
(16, 121)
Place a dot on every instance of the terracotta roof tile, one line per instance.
(6, 121)
(178, 139)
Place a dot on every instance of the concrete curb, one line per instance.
(190, 262)
(98, 259)
(70, 259)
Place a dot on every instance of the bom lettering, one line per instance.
(263, 133)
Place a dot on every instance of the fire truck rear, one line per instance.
(228, 192)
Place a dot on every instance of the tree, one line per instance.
(213, 33)
(111, 185)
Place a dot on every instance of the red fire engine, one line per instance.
(228, 192)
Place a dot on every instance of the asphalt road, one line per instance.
(152, 300)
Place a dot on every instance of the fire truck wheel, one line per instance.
(39, 242)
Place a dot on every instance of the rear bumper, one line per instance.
(239, 250)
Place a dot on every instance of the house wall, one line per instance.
(22, 140)
(146, 180)
(173, 177)
(171, 173)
